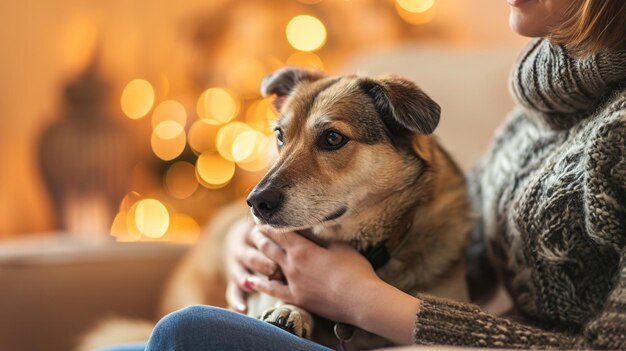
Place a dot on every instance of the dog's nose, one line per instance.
(265, 203)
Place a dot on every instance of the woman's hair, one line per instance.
(593, 26)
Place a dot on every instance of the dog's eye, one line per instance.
(332, 140)
(279, 136)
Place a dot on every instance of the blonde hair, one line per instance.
(593, 26)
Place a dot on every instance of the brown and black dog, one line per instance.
(356, 164)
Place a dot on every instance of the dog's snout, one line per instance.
(265, 203)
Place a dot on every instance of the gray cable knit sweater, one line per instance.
(551, 194)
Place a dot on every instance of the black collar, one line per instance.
(378, 255)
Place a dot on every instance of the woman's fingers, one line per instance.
(271, 287)
(254, 260)
(268, 247)
(236, 297)
(239, 276)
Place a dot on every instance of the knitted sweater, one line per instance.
(551, 195)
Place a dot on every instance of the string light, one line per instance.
(416, 12)
(306, 60)
(202, 136)
(169, 110)
(137, 98)
(151, 218)
(306, 33)
(213, 171)
(217, 106)
(168, 149)
(226, 136)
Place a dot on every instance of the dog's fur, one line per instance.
(391, 181)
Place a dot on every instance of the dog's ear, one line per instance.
(282, 82)
(402, 105)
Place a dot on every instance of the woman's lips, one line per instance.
(517, 3)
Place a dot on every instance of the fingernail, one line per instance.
(247, 284)
(241, 307)
(253, 281)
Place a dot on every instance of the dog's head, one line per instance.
(346, 145)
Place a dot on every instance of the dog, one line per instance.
(356, 164)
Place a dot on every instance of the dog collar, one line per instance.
(380, 254)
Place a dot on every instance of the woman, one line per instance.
(552, 195)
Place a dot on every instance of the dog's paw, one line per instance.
(289, 318)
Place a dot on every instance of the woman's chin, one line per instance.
(524, 26)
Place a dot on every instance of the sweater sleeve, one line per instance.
(440, 321)
(445, 322)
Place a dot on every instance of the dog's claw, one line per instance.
(287, 319)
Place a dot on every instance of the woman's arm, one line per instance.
(339, 284)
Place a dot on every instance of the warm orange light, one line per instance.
(202, 136)
(261, 115)
(415, 6)
(306, 60)
(129, 200)
(151, 218)
(168, 130)
(167, 149)
(225, 137)
(306, 33)
(245, 145)
(254, 151)
(180, 180)
(421, 11)
(137, 98)
(245, 75)
(169, 110)
(217, 106)
(213, 171)
(183, 229)
(120, 231)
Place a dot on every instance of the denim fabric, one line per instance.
(135, 346)
(209, 328)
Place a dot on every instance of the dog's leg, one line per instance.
(290, 318)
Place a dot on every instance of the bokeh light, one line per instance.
(137, 98)
(217, 106)
(245, 75)
(306, 33)
(151, 218)
(225, 137)
(168, 149)
(183, 229)
(121, 231)
(260, 115)
(129, 200)
(261, 155)
(416, 6)
(180, 180)
(213, 171)
(245, 145)
(169, 110)
(416, 12)
(202, 136)
(168, 129)
(306, 60)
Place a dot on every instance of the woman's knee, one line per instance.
(185, 325)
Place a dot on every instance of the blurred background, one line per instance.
(126, 125)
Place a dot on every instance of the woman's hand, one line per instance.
(242, 258)
(322, 280)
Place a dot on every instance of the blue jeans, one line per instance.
(210, 328)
